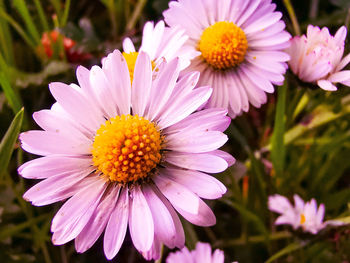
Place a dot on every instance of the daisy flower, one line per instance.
(303, 214)
(202, 253)
(317, 57)
(159, 42)
(240, 45)
(127, 156)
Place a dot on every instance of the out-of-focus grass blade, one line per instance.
(10, 94)
(19, 29)
(248, 215)
(304, 100)
(57, 5)
(277, 139)
(136, 14)
(42, 16)
(6, 38)
(65, 13)
(10, 231)
(21, 7)
(288, 249)
(9, 140)
(320, 116)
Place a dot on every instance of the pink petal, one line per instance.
(177, 194)
(117, 225)
(208, 119)
(73, 101)
(47, 142)
(326, 85)
(50, 120)
(141, 85)
(181, 108)
(162, 87)
(116, 70)
(57, 187)
(76, 212)
(164, 226)
(45, 167)
(94, 228)
(140, 221)
(226, 156)
(203, 185)
(204, 162)
(128, 46)
(154, 252)
(103, 92)
(198, 142)
(180, 234)
(204, 216)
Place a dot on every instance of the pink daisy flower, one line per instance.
(201, 254)
(317, 57)
(303, 214)
(159, 42)
(240, 45)
(127, 156)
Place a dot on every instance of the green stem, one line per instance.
(34, 228)
(252, 239)
(292, 16)
(65, 13)
(136, 14)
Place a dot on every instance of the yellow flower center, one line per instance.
(223, 45)
(131, 61)
(302, 219)
(126, 148)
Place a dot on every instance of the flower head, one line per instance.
(304, 215)
(159, 42)
(240, 48)
(202, 253)
(317, 57)
(127, 156)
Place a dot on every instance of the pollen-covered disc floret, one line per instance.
(126, 148)
(223, 45)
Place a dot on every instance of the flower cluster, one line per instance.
(132, 145)
(317, 57)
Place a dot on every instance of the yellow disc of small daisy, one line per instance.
(223, 45)
(131, 61)
(126, 148)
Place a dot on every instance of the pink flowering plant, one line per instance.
(192, 131)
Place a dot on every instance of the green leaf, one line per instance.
(6, 39)
(43, 19)
(65, 13)
(9, 140)
(19, 29)
(10, 94)
(24, 12)
(277, 139)
(288, 249)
